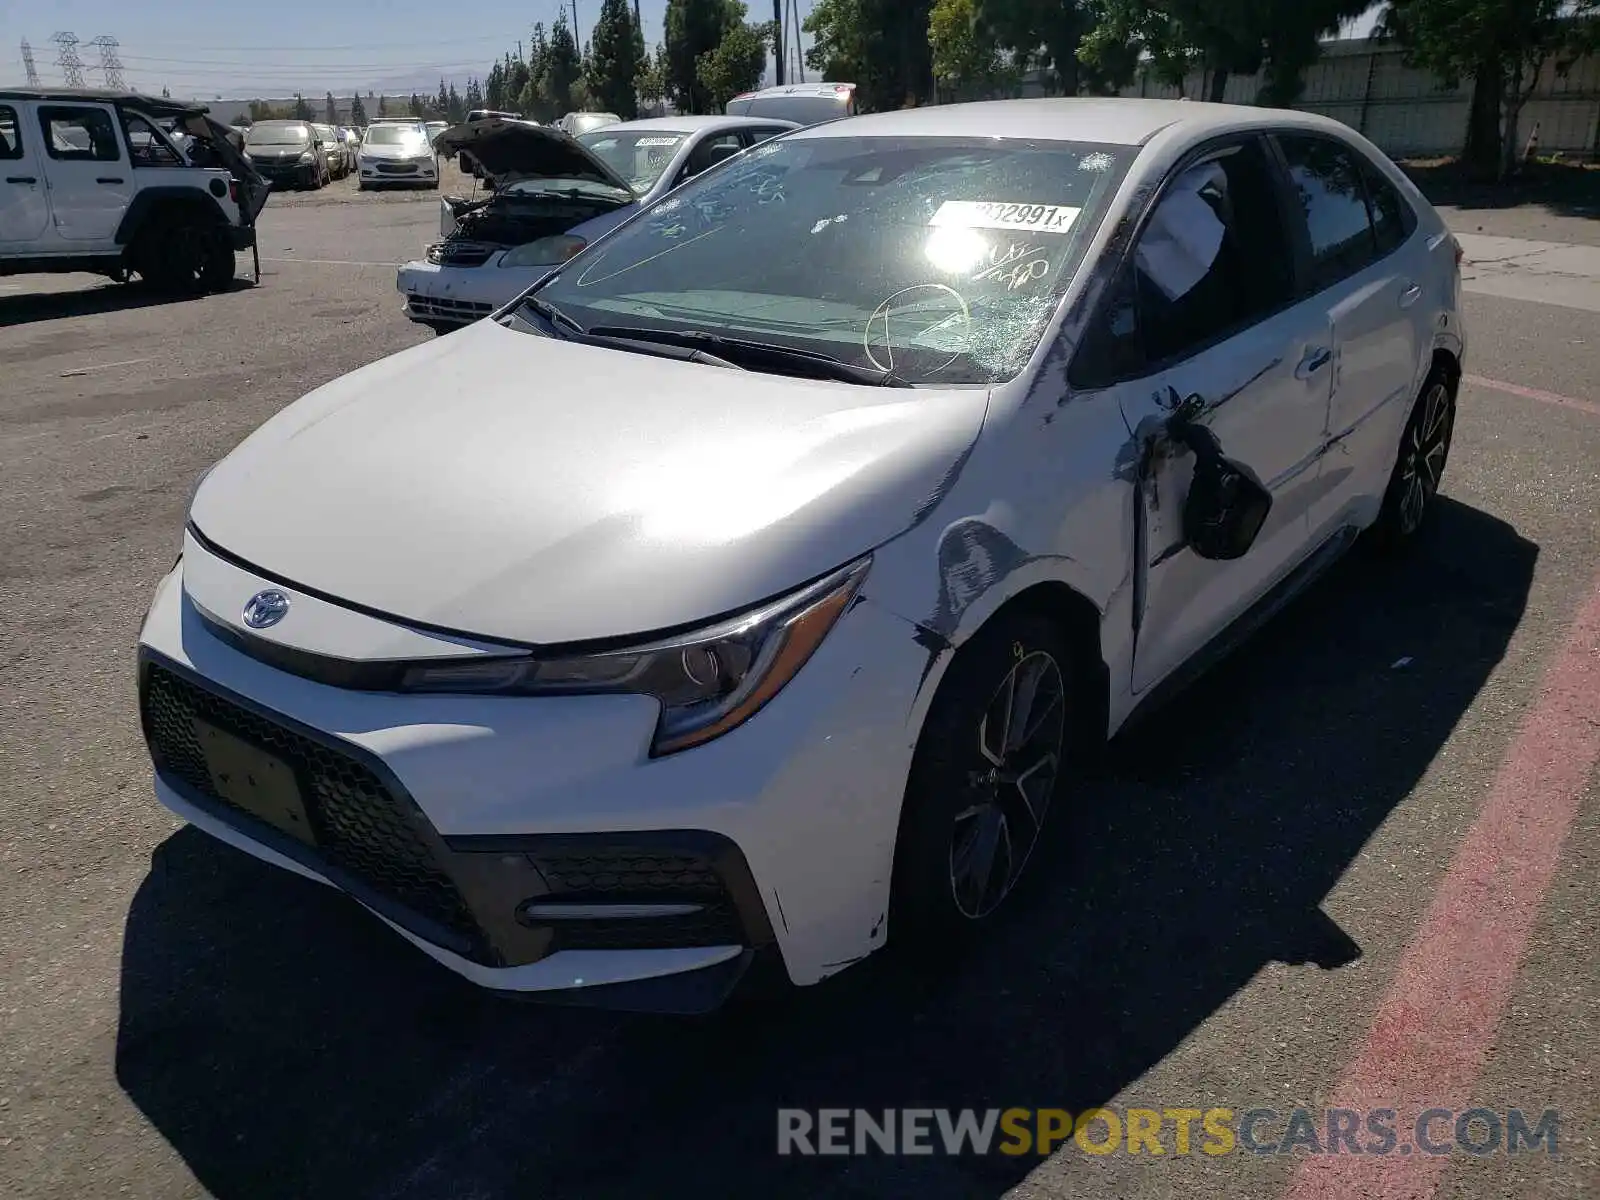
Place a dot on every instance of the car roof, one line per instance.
(695, 124)
(1109, 121)
(156, 106)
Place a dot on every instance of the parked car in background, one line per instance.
(803, 103)
(577, 123)
(554, 195)
(119, 184)
(351, 137)
(291, 153)
(763, 582)
(333, 147)
(397, 152)
(435, 128)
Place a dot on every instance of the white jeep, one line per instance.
(119, 185)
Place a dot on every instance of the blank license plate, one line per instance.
(249, 777)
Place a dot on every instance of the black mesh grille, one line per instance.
(361, 827)
(623, 874)
(629, 874)
(716, 925)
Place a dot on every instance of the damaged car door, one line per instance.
(1223, 380)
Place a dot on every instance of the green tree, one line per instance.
(735, 64)
(1130, 35)
(839, 40)
(526, 80)
(616, 58)
(494, 89)
(1503, 45)
(382, 107)
(562, 68)
(474, 95)
(966, 61)
(879, 45)
(302, 110)
(358, 110)
(693, 28)
(416, 108)
(651, 80)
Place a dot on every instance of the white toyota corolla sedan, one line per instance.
(753, 589)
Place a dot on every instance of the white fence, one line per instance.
(1405, 111)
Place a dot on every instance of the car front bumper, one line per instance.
(448, 815)
(439, 295)
(377, 171)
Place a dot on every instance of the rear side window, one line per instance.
(1333, 200)
(1392, 218)
(79, 134)
(10, 134)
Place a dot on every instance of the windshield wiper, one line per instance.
(682, 353)
(552, 314)
(813, 363)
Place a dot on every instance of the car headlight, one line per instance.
(307, 157)
(544, 251)
(708, 682)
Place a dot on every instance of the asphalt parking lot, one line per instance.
(1361, 858)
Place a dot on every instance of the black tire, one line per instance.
(1408, 502)
(960, 800)
(186, 255)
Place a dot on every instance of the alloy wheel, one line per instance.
(1422, 457)
(1020, 739)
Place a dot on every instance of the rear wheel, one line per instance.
(186, 255)
(998, 741)
(1419, 466)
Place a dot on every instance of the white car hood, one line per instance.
(517, 487)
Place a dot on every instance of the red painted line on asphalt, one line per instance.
(1528, 393)
(1435, 1026)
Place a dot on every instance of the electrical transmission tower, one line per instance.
(67, 58)
(27, 64)
(110, 64)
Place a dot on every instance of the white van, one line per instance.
(803, 103)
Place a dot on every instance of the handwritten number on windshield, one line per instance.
(1015, 267)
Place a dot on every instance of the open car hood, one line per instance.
(519, 150)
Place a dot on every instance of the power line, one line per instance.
(67, 58)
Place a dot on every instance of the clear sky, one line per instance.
(280, 47)
(286, 46)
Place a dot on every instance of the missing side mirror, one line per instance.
(1227, 504)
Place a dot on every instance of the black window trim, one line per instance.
(114, 115)
(16, 123)
(1214, 148)
(1300, 230)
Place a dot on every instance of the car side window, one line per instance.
(709, 153)
(756, 136)
(1327, 178)
(79, 134)
(10, 133)
(149, 148)
(1393, 220)
(1213, 258)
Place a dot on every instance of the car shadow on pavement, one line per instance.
(31, 308)
(286, 1045)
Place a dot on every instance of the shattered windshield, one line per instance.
(939, 259)
(640, 158)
